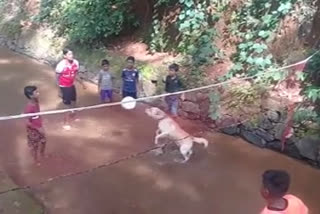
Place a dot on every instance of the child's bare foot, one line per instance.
(37, 163)
(66, 127)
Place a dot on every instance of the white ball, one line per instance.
(128, 103)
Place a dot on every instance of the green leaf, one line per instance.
(182, 16)
(243, 46)
(301, 76)
(259, 61)
(243, 56)
(264, 34)
(250, 60)
(237, 67)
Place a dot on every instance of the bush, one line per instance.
(87, 20)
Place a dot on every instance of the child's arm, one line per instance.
(58, 71)
(99, 81)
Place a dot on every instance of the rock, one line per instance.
(279, 129)
(274, 145)
(149, 88)
(292, 151)
(271, 103)
(202, 96)
(190, 107)
(193, 116)
(251, 109)
(253, 138)
(212, 125)
(249, 126)
(226, 122)
(264, 135)
(266, 124)
(192, 97)
(273, 116)
(232, 130)
(10, 45)
(292, 141)
(309, 148)
(204, 108)
(183, 114)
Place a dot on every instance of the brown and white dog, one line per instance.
(167, 127)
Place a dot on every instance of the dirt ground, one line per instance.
(224, 179)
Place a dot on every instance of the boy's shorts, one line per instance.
(106, 95)
(68, 94)
(129, 94)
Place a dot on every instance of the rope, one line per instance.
(86, 171)
(19, 116)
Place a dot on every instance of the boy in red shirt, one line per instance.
(35, 133)
(67, 71)
(274, 190)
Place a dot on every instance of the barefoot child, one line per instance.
(130, 79)
(275, 184)
(173, 84)
(67, 73)
(105, 82)
(35, 133)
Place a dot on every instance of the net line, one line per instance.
(141, 99)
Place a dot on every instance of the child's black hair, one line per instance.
(65, 51)
(277, 182)
(131, 58)
(174, 67)
(104, 62)
(29, 90)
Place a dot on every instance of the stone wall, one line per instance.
(261, 126)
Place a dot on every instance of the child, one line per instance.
(130, 78)
(105, 82)
(67, 73)
(35, 133)
(274, 190)
(173, 84)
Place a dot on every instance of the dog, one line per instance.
(167, 127)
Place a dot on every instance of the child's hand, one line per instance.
(41, 130)
(183, 97)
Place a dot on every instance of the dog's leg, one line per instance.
(186, 151)
(160, 136)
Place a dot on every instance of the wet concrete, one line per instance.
(224, 179)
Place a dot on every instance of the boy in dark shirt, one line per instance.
(130, 79)
(173, 84)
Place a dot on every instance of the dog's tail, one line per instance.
(201, 140)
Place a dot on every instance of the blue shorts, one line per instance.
(129, 94)
(106, 95)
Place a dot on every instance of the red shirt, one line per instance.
(295, 206)
(35, 121)
(68, 72)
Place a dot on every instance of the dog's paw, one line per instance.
(157, 151)
(179, 160)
